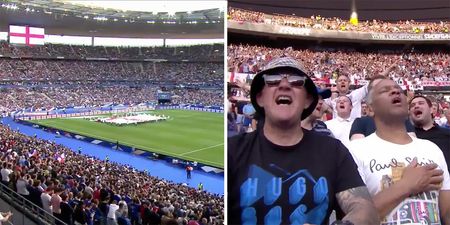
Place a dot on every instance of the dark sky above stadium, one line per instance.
(419, 10)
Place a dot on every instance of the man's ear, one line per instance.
(309, 100)
(370, 110)
(259, 100)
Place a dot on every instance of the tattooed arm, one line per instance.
(358, 206)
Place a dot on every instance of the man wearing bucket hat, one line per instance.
(283, 174)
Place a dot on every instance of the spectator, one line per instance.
(4, 217)
(420, 112)
(313, 122)
(340, 126)
(284, 95)
(393, 186)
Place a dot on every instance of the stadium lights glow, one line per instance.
(101, 18)
(115, 19)
(27, 9)
(8, 6)
(86, 17)
(151, 21)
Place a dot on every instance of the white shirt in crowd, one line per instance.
(357, 96)
(340, 128)
(381, 163)
(46, 202)
(112, 211)
(21, 187)
(5, 174)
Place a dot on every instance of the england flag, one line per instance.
(26, 35)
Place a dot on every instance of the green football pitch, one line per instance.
(191, 135)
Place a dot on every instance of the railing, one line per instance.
(30, 211)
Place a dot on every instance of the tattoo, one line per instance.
(358, 206)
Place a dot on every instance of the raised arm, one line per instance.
(358, 206)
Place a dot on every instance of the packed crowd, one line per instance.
(205, 53)
(51, 70)
(329, 63)
(378, 140)
(198, 97)
(342, 24)
(92, 95)
(84, 190)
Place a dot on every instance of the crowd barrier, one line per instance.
(194, 108)
(73, 113)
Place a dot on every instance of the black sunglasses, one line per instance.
(294, 80)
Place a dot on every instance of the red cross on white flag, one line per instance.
(26, 35)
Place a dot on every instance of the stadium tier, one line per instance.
(339, 24)
(195, 53)
(417, 70)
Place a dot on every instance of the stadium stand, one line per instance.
(47, 83)
(51, 168)
(335, 23)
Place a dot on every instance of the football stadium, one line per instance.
(371, 80)
(112, 112)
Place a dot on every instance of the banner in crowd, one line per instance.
(243, 77)
(308, 33)
(384, 36)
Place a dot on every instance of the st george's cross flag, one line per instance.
(26, 35)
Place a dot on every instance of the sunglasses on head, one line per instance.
(294, 80)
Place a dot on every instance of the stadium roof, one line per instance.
(391, 10)
(154, 19)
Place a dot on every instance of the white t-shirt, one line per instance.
(380, 164)
(46, 202)
(357, 96)
(5, 174)
(340, 129)
(112, 211)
